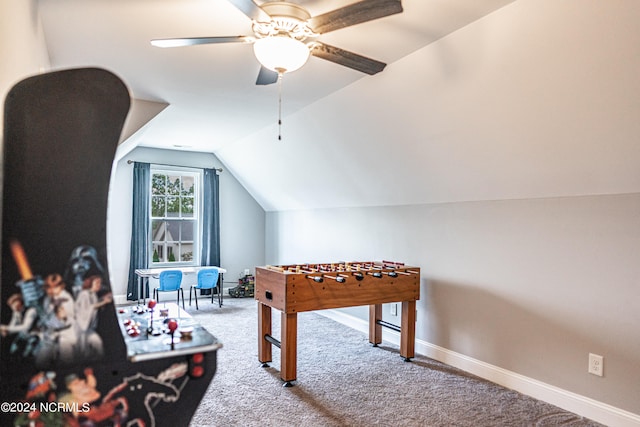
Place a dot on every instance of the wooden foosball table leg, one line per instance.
(289, 346)
(264, 329)
(408, 330)
(375, 329)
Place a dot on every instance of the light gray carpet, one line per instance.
(345, 381)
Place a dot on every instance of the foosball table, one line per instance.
(292, 289)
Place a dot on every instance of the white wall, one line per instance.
(242, 220)
(23, 52)
(537, 99)
(531, 286)
(505, 157)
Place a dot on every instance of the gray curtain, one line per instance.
(139, 227)
(210, 220)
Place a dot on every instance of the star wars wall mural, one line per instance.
(65, 358)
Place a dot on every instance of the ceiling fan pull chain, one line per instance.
(280, 74)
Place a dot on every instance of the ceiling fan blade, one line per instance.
(356, 13)
(266, 76)
(346, 58)
(252, 10)
(191, 41)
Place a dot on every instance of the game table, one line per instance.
(296, 288)
(147, 332)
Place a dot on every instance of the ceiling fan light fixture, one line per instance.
(281, 53)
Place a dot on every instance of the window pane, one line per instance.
(173, 228)
(171, 257)
(158, 184)
(157, 206)
(173, 207)
(187, 231)
(173, 184)
(188, 185)
(187, 207)
(186, 256)
(157, 230)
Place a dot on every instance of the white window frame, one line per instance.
(197, 214)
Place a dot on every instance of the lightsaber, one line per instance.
(30, 285)
(21, 260)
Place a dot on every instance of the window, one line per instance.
(174, 217)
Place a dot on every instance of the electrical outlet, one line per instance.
(394, 309)
(596, 364)
(246, 271)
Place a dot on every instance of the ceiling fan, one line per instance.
(285, 34)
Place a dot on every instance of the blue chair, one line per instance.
(170, 281)
(207, 279)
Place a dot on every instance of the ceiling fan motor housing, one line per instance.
(287, 19)
(283, 9)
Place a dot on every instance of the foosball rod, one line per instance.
(403, 272)
(382, 270)
(392, 263)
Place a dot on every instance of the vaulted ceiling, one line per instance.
(480, 100)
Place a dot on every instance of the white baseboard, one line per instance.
(578, 404)
(121, 299)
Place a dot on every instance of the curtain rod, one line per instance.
(178, 166)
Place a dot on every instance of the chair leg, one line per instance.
(191, 290)
(182, 293)
(197, 308)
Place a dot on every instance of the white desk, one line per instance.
(144, 274)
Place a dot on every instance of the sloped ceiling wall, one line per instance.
(538, 99)
(211, 91)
